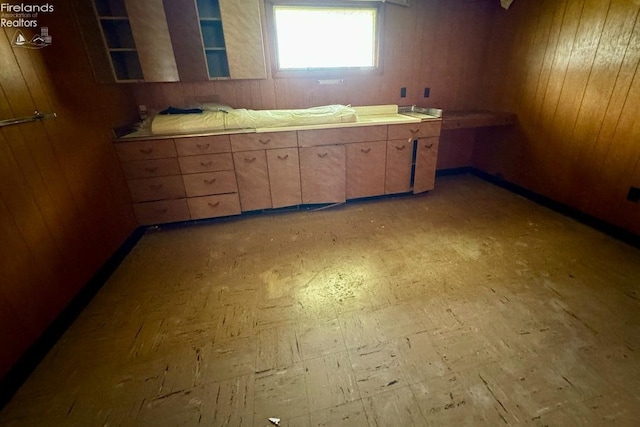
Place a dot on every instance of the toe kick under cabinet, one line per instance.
(180, 179)
(187, 178)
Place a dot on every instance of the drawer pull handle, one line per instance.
(323, 155)
(214, 205)
(428, 146)
(414, 131)
(400, 147)
(156, 186)
(203, 146)
(264, 141)
(365, 151)
(151, 170)
(206, 164)
(146, 150)
(161, 210)
(210, 181)
(251, 160)
(285, 157)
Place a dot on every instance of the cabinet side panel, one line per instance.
(243, 38)
(182, 20)
(153, 43)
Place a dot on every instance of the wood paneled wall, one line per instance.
(64, 204)
(569, 69)
(433, 43)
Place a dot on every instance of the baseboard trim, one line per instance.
(27, 363)
(614, 231)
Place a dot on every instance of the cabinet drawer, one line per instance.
(214, 206)
(206, 163)
(414, 130)
(151, 168)
(144, 150)
(204, 184)
(161, 212)
(203, 145)
(263, 141)
(310, 138)
(148, 189)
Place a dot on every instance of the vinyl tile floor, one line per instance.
(467, 305)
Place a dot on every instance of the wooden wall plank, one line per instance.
(576, 141)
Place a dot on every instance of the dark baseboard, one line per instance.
(18, 374)
(591, 221)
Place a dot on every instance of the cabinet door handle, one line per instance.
(206, 164)
(400, 148)
(146, 150)
(151, 170)
(214, 205)
(156, 186)
(251, 160)
(428, 146)
(365, 151)
(413, 132)
(209, 181)
(203, 146)
(322, 156)
(285, 157)
(264, 141)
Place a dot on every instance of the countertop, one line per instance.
(375, 115)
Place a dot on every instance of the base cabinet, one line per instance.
(323, 174)
(426, 159)
(366, 169)
(284, 177)
(253, 180)
(398, 170)
(219, 175)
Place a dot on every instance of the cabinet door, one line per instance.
(152, 41)
(427, 156)
(284, 177)
(365, 169)
(322, 174)
(398, 169)
(243, 38)
(253, 180)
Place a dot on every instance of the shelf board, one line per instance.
(113, 18)
(122, 49)
(210, 19)
(215, 49)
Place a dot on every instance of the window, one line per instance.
(313, 38)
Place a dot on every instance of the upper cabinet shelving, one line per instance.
(179, 40)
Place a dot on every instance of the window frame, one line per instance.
(335, 72)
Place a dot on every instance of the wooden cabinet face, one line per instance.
(204, 184)
(253, 180)
(162, 211)
(206, 163)
(365, 169)
(284, 177)
(322, 174)
(398, 169)
(160, 188)
(263, 141)
(415, 130)
(151, 168)
(146, 150)
(214, 206)
(203, 145)
(426, 159)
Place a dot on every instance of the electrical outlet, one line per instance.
(427, 92)
(634, 194)
(403, 92)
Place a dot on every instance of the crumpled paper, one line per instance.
(506, 3)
